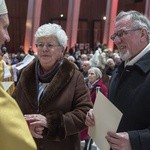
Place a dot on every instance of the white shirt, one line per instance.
(140, 55)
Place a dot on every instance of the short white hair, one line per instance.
(50, 29)
(97, 72)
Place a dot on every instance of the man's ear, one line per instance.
(144, 34)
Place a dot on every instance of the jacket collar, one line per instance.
(144, 63)
(57, 84)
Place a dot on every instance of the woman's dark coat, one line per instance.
(65, 104)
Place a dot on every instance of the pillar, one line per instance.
(147, 9)
(32, 23)
(72, 22)
(111, 11)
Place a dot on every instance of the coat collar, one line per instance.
(57, 84)
(144, 63)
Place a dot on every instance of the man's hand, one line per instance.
(119, 141)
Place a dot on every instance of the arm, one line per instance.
(14, 132)
(140, 139)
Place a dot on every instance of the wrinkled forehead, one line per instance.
(91, 71)
(123, 23)
(86, 64)
(47, 39)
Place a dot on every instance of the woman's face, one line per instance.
(92, 76)
(48, 51)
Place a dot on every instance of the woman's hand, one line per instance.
(37, 119)
(36, 131)
(36, 123)
(89, 121)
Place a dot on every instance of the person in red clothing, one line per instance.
(95, 83)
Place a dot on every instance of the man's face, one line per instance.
(4, 23)
(86, 66)
(127, 39)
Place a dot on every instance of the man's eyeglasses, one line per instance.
(122, 32)
(48, 46)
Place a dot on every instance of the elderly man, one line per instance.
(14, 129)
(129, 88)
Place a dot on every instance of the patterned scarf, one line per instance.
(45, 78)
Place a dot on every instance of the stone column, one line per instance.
(111, 11)
(72, 21)
(147, 9)
(32, 23)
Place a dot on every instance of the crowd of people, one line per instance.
(50, 106)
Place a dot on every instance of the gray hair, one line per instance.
(71, 58)
(49, 29)
(97, 72)
(138, 19)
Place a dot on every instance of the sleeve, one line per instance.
(14, 132)
(140, 139)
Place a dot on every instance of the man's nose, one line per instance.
(117, 40)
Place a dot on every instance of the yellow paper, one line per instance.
(107, 118)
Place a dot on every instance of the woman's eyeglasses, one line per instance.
(48, 46)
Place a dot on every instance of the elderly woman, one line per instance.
(95, 83)
(52, 94)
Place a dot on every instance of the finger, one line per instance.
(39, 136)
(113, 134)
(39, 132)
(90, 114)
(89, 123)
(112, 140)
(31, 116)
(34, 134)
(113, 144)
(37, 123)
(39, 129)
(29, 120)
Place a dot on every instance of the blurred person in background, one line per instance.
(95, 84)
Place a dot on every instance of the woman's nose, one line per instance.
(45, 48)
